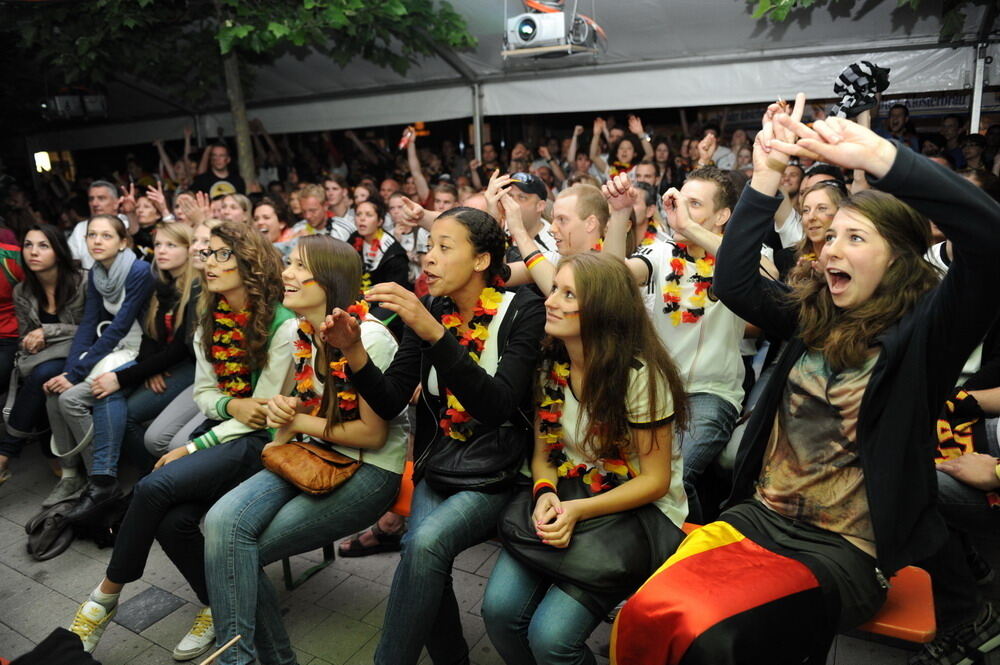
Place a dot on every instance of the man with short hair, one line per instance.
(953, 130)
(445, 196)
(897, 126)
(702, 334)
(648, 172)
(218, 180)
(336, 199)
(103, 199)
(312, 199)
(388, 187)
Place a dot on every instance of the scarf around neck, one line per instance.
(111, 283)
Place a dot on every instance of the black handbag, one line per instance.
(611, 554)
(490, 461)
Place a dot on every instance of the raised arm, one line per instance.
(166, 164)
(635, 126)
(423, 189)
(621, 196)
(542, 270)
(595, 145)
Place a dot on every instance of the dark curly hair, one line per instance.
(486, 237)
(260, 267)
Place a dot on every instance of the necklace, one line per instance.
(305, 377)
(702, 280)
(550, 409)
(455, 421)
(229, 355)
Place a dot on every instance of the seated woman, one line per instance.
(474, 366)
(612, 428)
(165, 362)
(383, 259)
(266, 518)
(109, 335)
(235, 208)
(49, 306)
(834, 487)
(244, 358)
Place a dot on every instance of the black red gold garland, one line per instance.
(702, 280)
(229, 354)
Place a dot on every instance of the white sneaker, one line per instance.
(89, 623)
(199, 639)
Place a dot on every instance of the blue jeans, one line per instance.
(422, 609)
(119, 419)
(27, 414)
(710, 425)
(265, 519)
(531, 621)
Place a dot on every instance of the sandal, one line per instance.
(384, 542)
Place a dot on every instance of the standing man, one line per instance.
(218, 180)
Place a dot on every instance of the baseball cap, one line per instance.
(530, 184)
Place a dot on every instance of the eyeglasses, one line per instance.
(221, 255)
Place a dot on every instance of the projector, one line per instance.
(536, 29)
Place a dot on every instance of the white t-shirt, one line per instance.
(575, 424)
(336, 227)
(791, 233)
(706, 352)
(381, 348)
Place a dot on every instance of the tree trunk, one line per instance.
(237, 106)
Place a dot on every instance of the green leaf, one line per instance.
(278, 29)
(763, 6)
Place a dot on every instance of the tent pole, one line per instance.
(977, 88)
(477, 120)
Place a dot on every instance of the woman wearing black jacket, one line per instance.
(834, 483)
(472, 349)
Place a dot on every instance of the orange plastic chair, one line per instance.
(908, 612)
(405, 496)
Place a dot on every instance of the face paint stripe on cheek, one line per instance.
(229, 270)
(570, 315)
(308, 281)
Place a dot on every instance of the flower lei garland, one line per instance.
(305, 376)
(616, 470)
(373, 250)
(702, 280)
(649, 236)
(229, 355)
(455, 421)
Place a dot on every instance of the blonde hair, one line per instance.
(182, 234)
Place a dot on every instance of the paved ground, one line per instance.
(335, 618)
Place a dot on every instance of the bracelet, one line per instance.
(541, 487)
(535, 258)
(191, 448)
(531, 255)
(168, 218)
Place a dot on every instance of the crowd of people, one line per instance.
(560, 341)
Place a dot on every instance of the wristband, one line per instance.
(531, 255)
(541, 487)
(533, 259)
(168, 218)
(191, 448)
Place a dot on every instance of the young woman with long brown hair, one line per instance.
(834, 487)
(266, 518)
(608, 394)
(243, 358)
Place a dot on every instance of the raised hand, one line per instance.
(412, 212)
(837, 141)
(578, 130)
(620, 193)
(340, 330)
(600, 126)
(544, 153)
(496, 188)
(511, 214)
(706, 148)
(395, 298)
(126, 202)
(155, 194)
(635, 125)
(677, 211)
(764, 157)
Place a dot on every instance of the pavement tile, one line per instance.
(37, 613)
(154, 655)
(71, 573)
(377, 567)
(144, 609)
(336, 638)
(314, 588)
(120, 646)
(17, 505)
(363, 656)
(474, 557)
(354, 597)
(13, 643)
(300, 618)
(487, 566)
(376, 617)
(169, 630)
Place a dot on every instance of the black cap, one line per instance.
(530, 184)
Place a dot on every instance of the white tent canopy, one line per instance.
(661, 54)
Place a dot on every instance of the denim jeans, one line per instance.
(265, 519)
(531, 621)
(28, 411)
(119, 420)
(710, 425)
(169, 503)
(422, 609)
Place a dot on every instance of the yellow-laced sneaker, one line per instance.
(89, 623)
(199, 639)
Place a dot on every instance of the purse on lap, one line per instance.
(611, 554)
(313, 468)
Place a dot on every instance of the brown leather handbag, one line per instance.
(313, 468)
